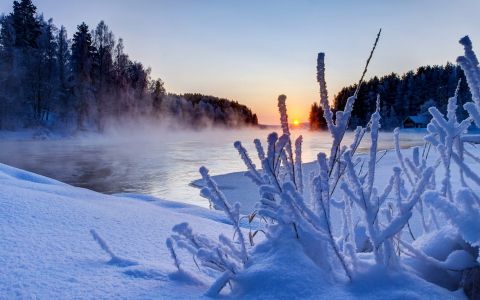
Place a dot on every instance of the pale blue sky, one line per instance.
(251, 51)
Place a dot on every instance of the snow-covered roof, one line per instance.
(419, 119)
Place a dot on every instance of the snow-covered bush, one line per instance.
(458, 205)
(337, 218)
(223, 255)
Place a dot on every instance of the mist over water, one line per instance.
(157, 161)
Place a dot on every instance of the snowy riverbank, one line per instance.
(47, 250)
(241, 189)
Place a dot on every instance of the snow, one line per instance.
(268, 277)
(49, 251)
(59, 241)
(239, 188)
(459, 260)
(437, 245)
(439, 269)
(67, 242)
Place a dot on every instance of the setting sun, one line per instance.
(244, 152)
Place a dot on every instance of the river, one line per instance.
(158, 162)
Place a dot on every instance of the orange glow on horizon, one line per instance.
(296, 122)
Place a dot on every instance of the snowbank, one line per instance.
(269, 277)
(47, 251)
(239, 188)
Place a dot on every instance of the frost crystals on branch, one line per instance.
(444, 135)
(362, 192)
(225, 255)
(370, 220)
(338, 128)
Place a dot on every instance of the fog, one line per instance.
(155, 160)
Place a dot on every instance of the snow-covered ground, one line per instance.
(241, 189)
(47, 250)
(62, 242)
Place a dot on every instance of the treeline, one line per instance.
(49, 80)
(201, 110)
(401, 96)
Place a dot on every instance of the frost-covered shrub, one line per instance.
(459, 206)
(338, 217)
(470, 67)
(224, 255)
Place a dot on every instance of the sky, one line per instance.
(254, 50)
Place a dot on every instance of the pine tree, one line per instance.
(48, 81)
(404, 95)
(103, 71)
(120, 68)
(65, 108)
(7, 41)
(158, 92)
(83, 54)
(316, 119)
(18, 38)
(25, 24)
(8, 76)
(254, 119)
(312, 118)
(42, 78)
